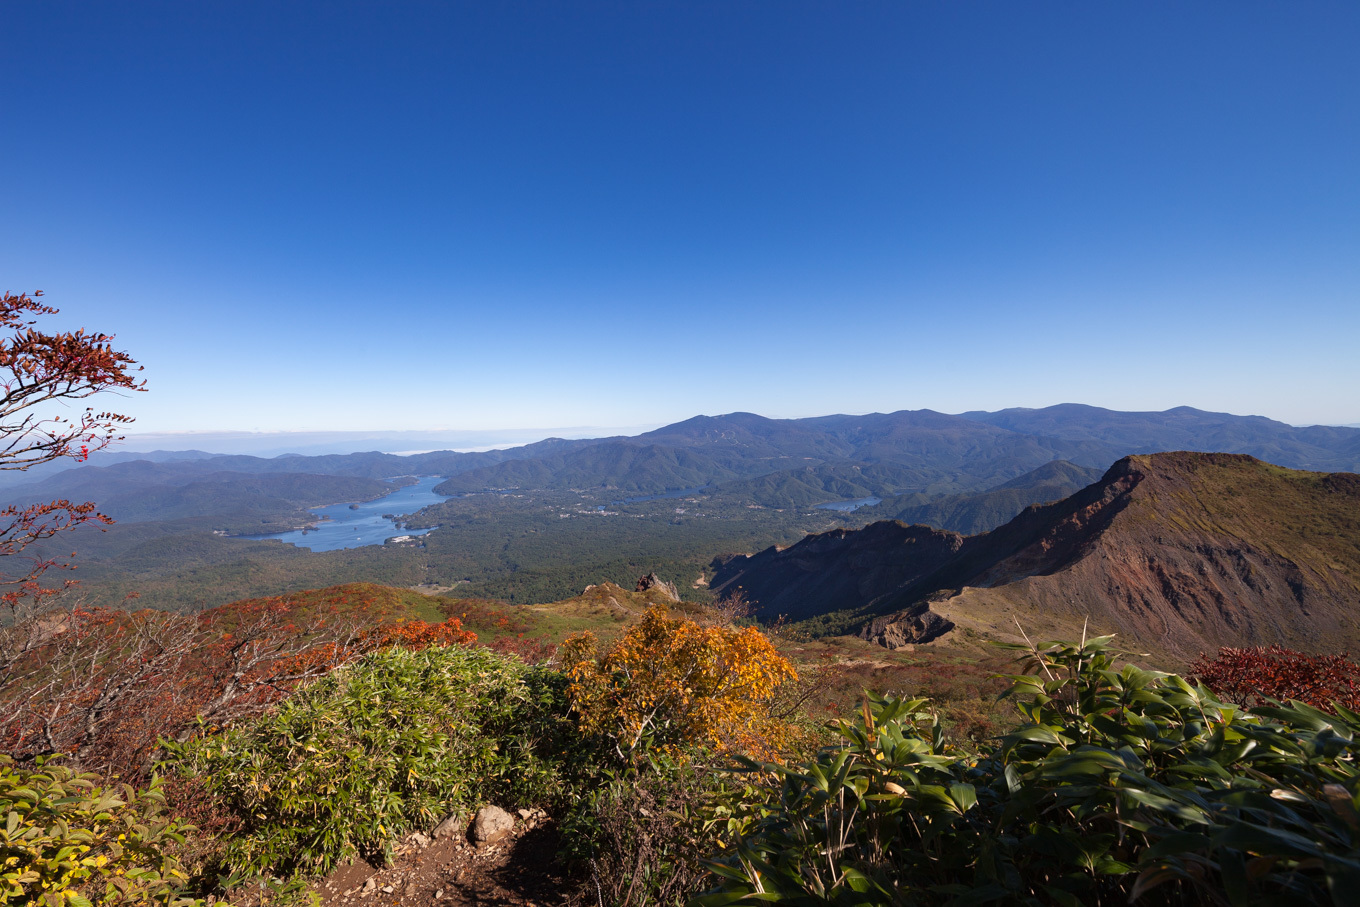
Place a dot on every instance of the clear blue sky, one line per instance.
(483, 215)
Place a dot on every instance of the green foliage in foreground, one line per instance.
(388, 744)
(642, 832)
(1122, 785)
(65, 841)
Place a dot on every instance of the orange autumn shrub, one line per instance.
(417, 634)
(669, 683)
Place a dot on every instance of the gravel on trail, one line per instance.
(518, 870)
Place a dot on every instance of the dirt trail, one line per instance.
(518, 871)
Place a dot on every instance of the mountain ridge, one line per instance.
(1178, 552)
(789, 462)
(982, 511)
(879, 454)
(739, 480)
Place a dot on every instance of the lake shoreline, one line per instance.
(357, 524)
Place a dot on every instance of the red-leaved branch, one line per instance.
(41, 376)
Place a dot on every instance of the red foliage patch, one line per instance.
(1251, 676)
(531, 650)
(104, 685)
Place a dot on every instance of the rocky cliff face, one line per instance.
(1181, 553)
(837, 570)
(1177, 553)
(662, 589)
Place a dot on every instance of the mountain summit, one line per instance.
(1176, 552)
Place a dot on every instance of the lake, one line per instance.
(343, 527)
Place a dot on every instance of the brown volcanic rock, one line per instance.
(839, 570)
(918, 624)
(1180, 553)
(1177, 553)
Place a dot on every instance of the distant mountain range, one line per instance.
(970, 514)
(968, 472)
(578, 510)
(241, 487)
(802, 462)
(1177, 553)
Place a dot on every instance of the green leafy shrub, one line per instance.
(389, 743)
(658, 710)
(641, 833)
(66, 841)
(1122, 785)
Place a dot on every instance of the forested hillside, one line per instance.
(970, 514)
(534, 523)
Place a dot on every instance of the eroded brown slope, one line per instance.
(1177, 553)
(1181, 553)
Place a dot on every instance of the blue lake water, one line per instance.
(848, 506)
(343, 527)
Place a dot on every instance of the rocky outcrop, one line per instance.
(454, 826)
(658, 586)
(840, 570)
(907, 628)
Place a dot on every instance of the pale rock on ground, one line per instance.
(513, 866)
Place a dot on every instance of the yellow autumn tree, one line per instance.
(670, 683)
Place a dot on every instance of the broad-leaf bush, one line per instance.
(671, 683)
(387, 744)
(1122, 784)
(660, 710)
(66, 841)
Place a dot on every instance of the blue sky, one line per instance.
(491, 215)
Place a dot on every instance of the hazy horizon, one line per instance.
(354, 441)
(276, 443)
